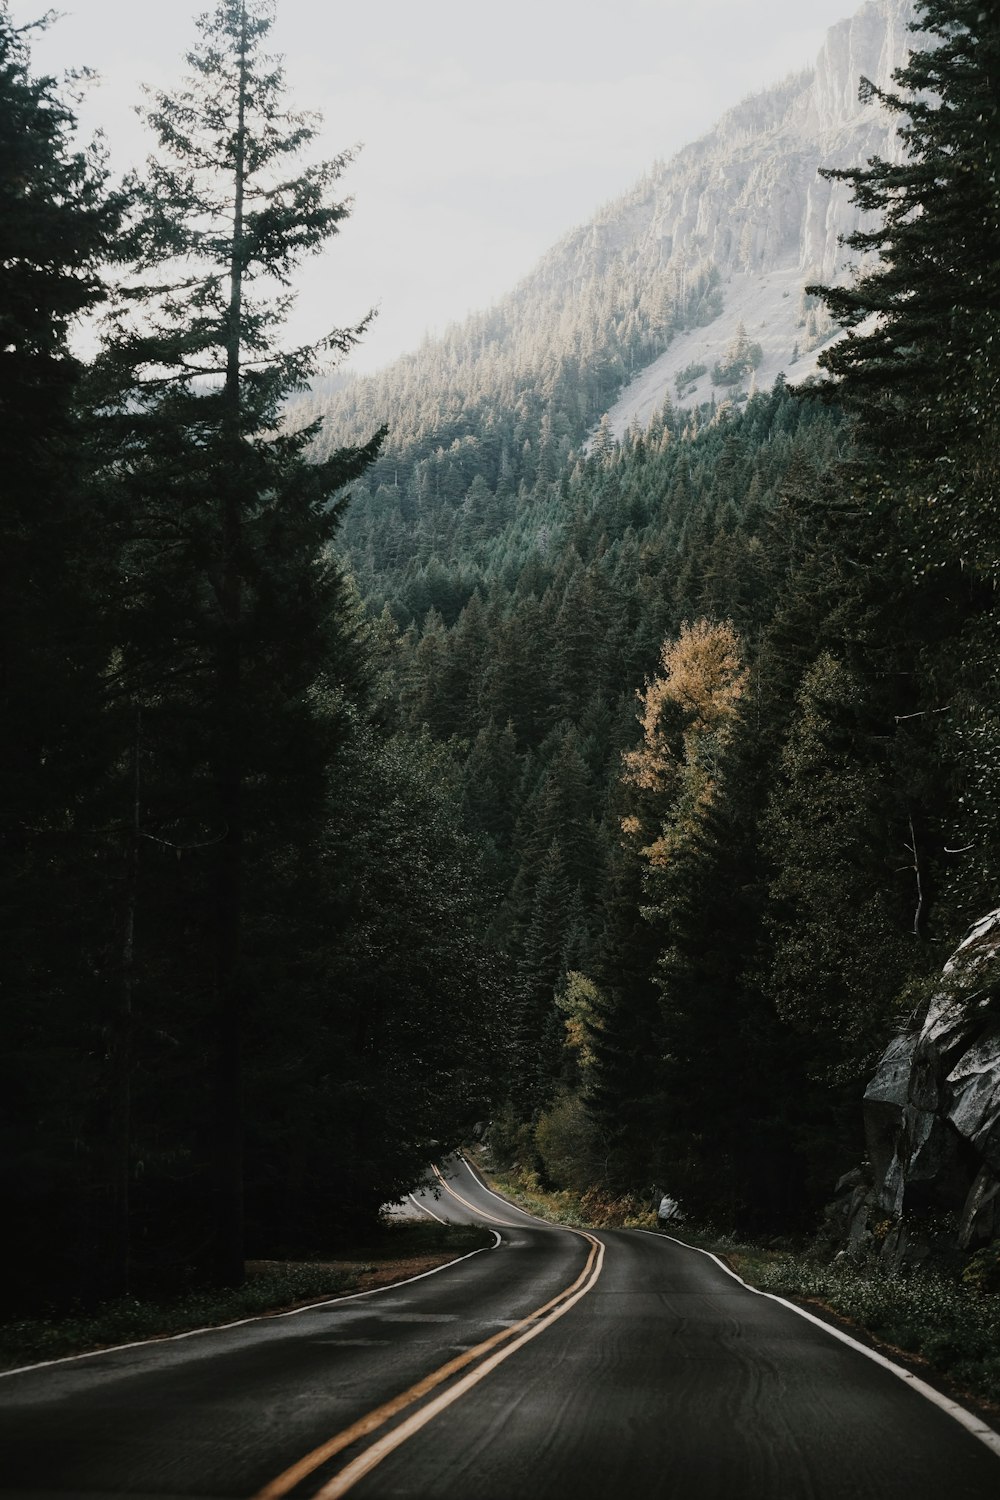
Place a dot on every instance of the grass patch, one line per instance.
(954, 1328)
(398, 1250)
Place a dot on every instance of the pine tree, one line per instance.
(625, 1093)
(538, 1032)
(918, 365)
(834, 902)
(918, 370)
(223, 524)
(57, 219)
(56, 222)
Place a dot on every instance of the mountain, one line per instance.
(724, 236)
(749, 196)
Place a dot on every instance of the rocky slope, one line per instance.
(932, 1121)
(748, 197)
(642, 302)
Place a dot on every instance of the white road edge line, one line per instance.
(291, 1312)
(548, 1224)
(422, 1207)
(972, 1424)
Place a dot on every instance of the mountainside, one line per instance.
(749, 197)
(727, 233)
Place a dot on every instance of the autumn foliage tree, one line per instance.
(689, 713)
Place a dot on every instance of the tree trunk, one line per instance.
(118, 1267)
(228, 1266)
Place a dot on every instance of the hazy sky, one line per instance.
(488, 130)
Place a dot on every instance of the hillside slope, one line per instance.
(749, 195)
(728, 232)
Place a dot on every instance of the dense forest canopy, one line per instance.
(360, 786)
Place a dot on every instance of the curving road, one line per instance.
(558, 1364)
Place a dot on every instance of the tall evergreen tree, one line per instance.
(918, 369)
(229, 589)
(918, 365)
(57, 218)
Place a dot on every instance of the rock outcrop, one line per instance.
(932, 1121)
(746, 205)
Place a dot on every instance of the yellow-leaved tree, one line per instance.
(690, 710)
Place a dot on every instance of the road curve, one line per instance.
(556, 1365)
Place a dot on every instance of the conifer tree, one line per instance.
(230, 592)
(834, 902)
(625, 1093)
(57, 218)
(918, 369)
(56, 221)
(918, 365)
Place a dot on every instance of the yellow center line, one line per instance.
(381, 1414)
(383, 1446)
(472, 1207)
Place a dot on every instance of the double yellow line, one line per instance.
(473, 1208)
(485, 1357)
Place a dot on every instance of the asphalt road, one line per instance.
(555, 1365)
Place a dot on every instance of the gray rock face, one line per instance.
(932, 1111)
(746, 206)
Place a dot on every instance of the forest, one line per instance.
(388, 759)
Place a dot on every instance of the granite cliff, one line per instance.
(746, 205)
(932, 1122)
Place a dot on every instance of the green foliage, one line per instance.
(920, 373)
(955, 1329)
(644, 545)
(982, 1273)
(593, 1209)
(739, 361)
(688, 376)
(568, 1144)
(839, 950)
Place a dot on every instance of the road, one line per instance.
(556, 1364)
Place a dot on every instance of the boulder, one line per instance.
(932, 1119)
(886, 1107)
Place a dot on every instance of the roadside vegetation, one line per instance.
(398, 1250)
(593, 1208)
(953, 1325)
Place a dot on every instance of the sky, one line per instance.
(487, 131)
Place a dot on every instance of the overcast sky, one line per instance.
(488, 131)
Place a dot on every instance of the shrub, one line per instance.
(689, 375)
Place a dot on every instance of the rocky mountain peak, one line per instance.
(872, 43)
